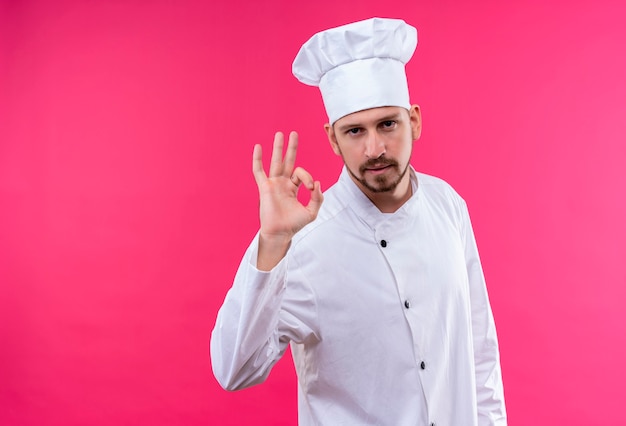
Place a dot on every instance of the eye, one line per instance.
(354, 131)
(388, 124)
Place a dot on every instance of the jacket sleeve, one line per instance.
(489, 387)
(258, 318)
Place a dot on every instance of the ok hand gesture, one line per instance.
(281, 214)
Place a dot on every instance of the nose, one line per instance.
(374, 146)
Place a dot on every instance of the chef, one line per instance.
(376, 283)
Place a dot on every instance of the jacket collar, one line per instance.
(353, 197)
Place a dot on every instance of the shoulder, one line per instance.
(439, 196)
(435, 186)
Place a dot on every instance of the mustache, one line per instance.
(375, 163)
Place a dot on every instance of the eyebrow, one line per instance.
(352, 125)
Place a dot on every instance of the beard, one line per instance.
(382, 182)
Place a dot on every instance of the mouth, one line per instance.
(377, 169)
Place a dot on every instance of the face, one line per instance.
(376, 146)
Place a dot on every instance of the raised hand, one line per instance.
(281, 214)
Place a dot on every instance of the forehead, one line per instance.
(371, 115)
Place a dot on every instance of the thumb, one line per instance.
(316, 199)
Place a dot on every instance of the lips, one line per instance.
(377, 166)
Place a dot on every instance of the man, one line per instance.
(377, 284)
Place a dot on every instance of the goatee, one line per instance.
(382, 182)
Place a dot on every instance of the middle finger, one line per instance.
(290, 155)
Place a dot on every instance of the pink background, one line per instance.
(126, 198)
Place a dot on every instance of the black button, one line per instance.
(407, 304)
(383, 243)
(423, 365)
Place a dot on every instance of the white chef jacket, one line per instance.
(387, 314)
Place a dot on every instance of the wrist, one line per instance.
(272, 249)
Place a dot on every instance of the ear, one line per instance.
(416, 121)
(332, 138)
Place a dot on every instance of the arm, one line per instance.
(244, 346)
(256, 321)
(489, 388)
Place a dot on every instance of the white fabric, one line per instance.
(359, 65)
(339, 298)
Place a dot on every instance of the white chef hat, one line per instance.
(358, 66)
